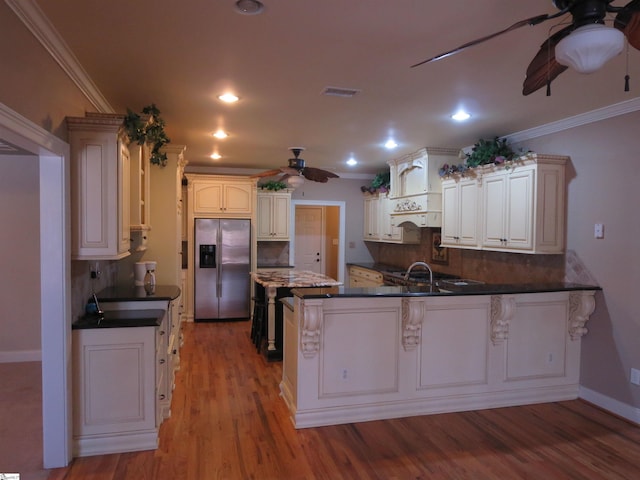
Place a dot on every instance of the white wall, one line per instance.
(604, 187)
(20, 258)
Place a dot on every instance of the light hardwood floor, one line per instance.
(228, 422)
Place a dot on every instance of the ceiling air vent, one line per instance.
(340, 92)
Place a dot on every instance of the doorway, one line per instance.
(319, 239)
(52, 156)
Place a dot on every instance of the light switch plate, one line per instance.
(598, 230)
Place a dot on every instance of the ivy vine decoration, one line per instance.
(496, 151)
(149, 130)
(380, 183)
(273, 185)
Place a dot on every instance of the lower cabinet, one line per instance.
(115, 376)
(363, 277)
(123, 381)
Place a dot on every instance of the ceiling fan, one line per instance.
(297, 168)
(587, 15)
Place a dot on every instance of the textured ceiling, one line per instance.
(180, 55)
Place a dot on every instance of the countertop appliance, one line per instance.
(222, 282)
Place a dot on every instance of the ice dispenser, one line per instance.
(207, 256)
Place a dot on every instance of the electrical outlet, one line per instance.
(344, 374)
(635, 376)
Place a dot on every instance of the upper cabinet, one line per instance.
(222, 195)
(140, 195)
(273, 215)
(378, 224)
(415, 186)
(100, 187)
(460, 212)
(517, 209)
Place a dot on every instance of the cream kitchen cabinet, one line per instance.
(379, 224)
(360, 277)
(119, 377)
(523, 207)
(415, 186)
(222, 195)
(100, 187)
(371, 218)
(273, 216)
(460, 213)
(519, 208)
(140, 203)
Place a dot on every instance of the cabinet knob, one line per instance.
(162, 397)
(162, 360)
(161, 332)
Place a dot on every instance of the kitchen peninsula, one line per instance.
(271, 281)
(359, 354)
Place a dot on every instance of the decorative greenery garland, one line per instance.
(151, 131)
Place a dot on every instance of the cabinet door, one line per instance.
(207, 198)
(371, 224)
(468, 212)
(495, 210)
(281, 211)
(237, 198)
(450, 212)
(264, 209)
(519, 202)
(114, 372)
(100, 193)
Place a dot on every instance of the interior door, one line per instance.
(309, 238)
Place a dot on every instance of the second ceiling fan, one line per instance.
(297, 167)
(586, 14)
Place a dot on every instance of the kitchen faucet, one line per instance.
(421, 264)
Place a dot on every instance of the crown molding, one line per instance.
(35, 20)
(593, 116)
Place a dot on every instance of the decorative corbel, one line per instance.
(412, 315)
(503, 307)
(581, 306)
(310, 331)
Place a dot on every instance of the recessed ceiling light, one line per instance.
(221, 134)
(228, 97)
(461, 116)
(216, 156)
(249, 7)
(390, 144)
(352, 161)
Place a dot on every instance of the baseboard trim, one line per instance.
(628, 412)
(18, 356)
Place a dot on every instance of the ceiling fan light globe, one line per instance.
(295, 181)
(589, 47)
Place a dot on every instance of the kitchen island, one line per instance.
(275, 280)
(358, 354)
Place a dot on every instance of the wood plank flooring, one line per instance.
(228, 422)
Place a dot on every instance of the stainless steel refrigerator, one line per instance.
(222, 269)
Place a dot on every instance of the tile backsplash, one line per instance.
(486, 266)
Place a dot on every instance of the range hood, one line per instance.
(416, 187)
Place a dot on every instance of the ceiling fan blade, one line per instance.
(268, 173)
(529, 21)
(544, 68)
(628, 22)
(318, 175)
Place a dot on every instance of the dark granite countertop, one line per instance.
(399, 291)
(138, 294)
(120, 319)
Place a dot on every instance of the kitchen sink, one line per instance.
(462, 282)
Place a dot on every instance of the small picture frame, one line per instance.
(439, 254)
